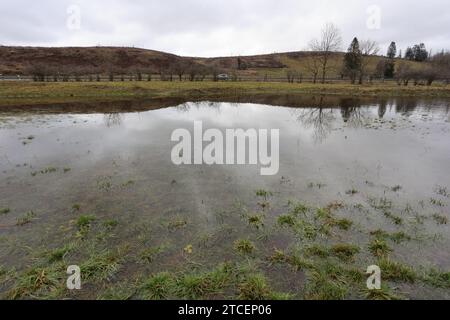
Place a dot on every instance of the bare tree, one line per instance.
(368, 48)
(180, 68)
(329, 43)
(313, 66)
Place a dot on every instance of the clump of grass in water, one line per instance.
(438, 279)
(36, 282)
(442, 191)
(319, 185)
(397, 237)
(203, 285)
(28, 218)
(344, 251)
(437, 202)
(150, 254)
(286, 220)
(102, 265)
(256, 220)
(110, 224)
(277, 257)
(244, 246)
(84, 222)
(317, 250)
(128, 183)
(177, 224)
(327, 282)
(158, 287)
(396, 220)
(384, 293)
(58, 254)
(344, 224)
(396, 271)
(254, 287)
(379, 248)
(5, 211)
(351, 192)
(440, 219)
(380, 204)
(48, 170)
(298, 208)
(263, 194)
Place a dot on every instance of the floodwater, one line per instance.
(117, 167)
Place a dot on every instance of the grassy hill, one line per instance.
(19, 61)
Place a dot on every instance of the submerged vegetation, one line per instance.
(332, 269)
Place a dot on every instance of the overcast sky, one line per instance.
(221, 27)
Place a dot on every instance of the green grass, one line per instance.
(159, 286)
(385, 293)
(40, 93)
(26, 219)
(263, 194)
(344, 251)
(317, 251)
(254, 287)
(256, 221)
(379, 248)
(351, 192)
(437, 278)
(149, 255)
(58, 254)
(101, 265)
(327, 282)
(344, 224)
(286, 220)
(84, 222)
(177, 224)
(440, 219)
(244, 246)
(396, 271)
(37, 282)
(5, 211)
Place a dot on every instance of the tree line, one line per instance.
(358, 64)
(180, 70)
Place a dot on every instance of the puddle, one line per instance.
(370, 166)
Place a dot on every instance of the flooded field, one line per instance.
(360, 183)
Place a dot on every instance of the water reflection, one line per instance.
(113, 119)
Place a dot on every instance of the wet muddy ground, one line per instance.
(360, 184)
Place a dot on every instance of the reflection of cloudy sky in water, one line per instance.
(221, 27)
(312, 147)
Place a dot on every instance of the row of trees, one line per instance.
(360, 63)
(177, 71)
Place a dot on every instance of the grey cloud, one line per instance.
(220, 27)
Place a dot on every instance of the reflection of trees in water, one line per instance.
(406, 106)
(186, 107)
(353, 114)
(382, 108)
(113, 119)
(319, 119)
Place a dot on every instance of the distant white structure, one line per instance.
(223, 77)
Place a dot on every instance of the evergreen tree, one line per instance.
(352, 60)
(409, 54)
(392, 51)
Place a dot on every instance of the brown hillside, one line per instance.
(19, 61)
